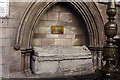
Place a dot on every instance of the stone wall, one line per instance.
(8, 30)
(11, 59)
(74, 32)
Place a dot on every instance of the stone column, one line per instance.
(109, 71)
(26, 61)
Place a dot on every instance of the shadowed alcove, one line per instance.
(74, 32)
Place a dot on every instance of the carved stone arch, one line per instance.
(89, 12)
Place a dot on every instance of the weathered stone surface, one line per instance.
(6, 42)
(63, 41)
(48, 23)
(53, 16)
(3, 22)
(13, 23)
(44, 17)
(36, 30)
(77, 41)
(52, 35)
(14, 11)
(70, 51)
(48, 67)
(37, 41)
(5, 71)
(1, 42)
(0, 71)
(0, 58)
(59, 15)
(67, 31)
(47, 42)
(57, 8)
(66, 17)
(44, 30)
(15, 67)
(77, 67)
(62, 60)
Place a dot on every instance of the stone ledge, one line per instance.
(60, 58)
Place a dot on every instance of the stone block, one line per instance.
(15, 67)
(62, 52)
(47, 42)
(9, 50)
(82, 67)
(1, 33)
(6, 42)
(44, 16)
(6, 58)
(5, 71)
(11, 4)
(53, 15)
(65, 24)
(65, 60)
(77, 30)
(71, 36)
(13, 23)
(66, 17)
(40, 23)
(1, 49)
(43, 67)
(80, 36)
(60, 8)
(44, 30)
(0, 70)
(36, 30)
(66, 36)
(67, 30)
(62, 36)
(21, 3)
(14, 12)
(1, 42)
(37, 35)
(12, 43)
(1, 58)
(52, 35)
(37, 41)
(50, 23)
(78, 42)
(63, 41)
(10, 33)
(57, 8)
(7, 32)
(3, 22)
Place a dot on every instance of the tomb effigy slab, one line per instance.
(62, 60)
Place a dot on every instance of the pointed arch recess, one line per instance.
(35, 10)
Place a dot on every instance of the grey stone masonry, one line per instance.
(10, 59)
(62, 61)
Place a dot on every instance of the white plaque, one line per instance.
(4, 8)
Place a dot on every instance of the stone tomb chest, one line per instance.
(62, 61)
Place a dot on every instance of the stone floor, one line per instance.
(18, 76)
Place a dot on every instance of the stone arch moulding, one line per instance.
(88, 10)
